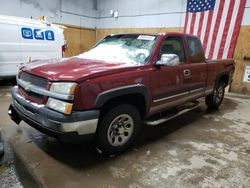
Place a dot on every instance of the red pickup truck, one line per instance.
(124, 81)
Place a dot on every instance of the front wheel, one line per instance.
(214, 100)
(118, 129)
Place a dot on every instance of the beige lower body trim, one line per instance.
(81, 127)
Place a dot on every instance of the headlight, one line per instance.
(63, 87)
(59, 106)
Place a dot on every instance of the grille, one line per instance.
(35, 80)
(32, 94)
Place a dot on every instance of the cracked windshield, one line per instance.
(129, 49)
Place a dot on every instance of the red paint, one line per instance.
(200, 24)
(209, 23)
(236, 29)
(216, 29)
(226, 28)
(192, 23)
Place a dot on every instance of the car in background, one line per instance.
(23, 40)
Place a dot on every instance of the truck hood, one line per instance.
(73, 69)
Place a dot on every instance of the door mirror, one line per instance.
(168, 60)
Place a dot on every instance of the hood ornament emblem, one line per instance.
(27, 86)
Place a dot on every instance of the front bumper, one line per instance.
(77, 126)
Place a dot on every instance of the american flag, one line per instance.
(216, 23)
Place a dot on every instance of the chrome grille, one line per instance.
(35, 80)
(32, 94)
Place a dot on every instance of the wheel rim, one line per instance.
(120, 130)
(219, 94)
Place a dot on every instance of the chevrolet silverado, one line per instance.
(124, 81)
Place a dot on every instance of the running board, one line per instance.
(169, 117)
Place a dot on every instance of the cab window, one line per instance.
(195, 50)
(173, 45)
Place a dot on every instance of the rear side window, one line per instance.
(195, 50)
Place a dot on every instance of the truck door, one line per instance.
(167, 82)
(195, 70)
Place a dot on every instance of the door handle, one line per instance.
(186, 72)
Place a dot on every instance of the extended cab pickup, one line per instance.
(124, 81)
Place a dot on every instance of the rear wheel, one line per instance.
(215, 99)
(118, 129)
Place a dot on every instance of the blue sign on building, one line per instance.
(27, 33)
(49, 35)
(39, 35)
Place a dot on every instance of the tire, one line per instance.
(214, 100)
(118, 129)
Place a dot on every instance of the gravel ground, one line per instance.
(8, 174)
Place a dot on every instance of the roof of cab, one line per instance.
(176, 33)
(155, 34)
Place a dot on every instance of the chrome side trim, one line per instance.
(172, 96)
(167, 118)
(180, 94)
(29, 87)
(168, 105)
(196, 90)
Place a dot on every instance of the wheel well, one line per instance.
(137, 100)
(225, 79)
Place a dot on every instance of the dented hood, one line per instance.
(73, 69)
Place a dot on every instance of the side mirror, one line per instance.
(168, 60)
